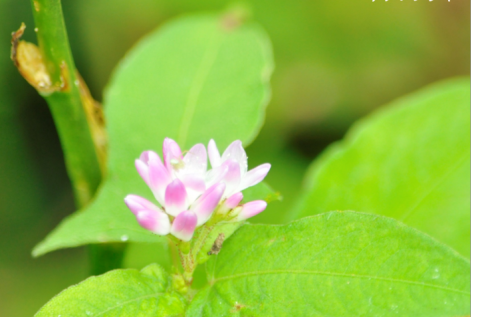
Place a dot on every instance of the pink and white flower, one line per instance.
(188, 193)
(232, 165)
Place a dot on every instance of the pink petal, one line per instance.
(159, 179)
(230, 203)
(214, 154)
(193, 181)
(154, 221)
(251, 209)
(171, 151)
(144, 157)
(142, 169)
(207, 203)
(147, 158)
(175, 198)
(254, 176)
(233, 201)
(137, 203)
(236, 153)
(196, 159)
(152, 157)
(184, 225)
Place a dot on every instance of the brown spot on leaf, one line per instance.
(217, 245)
(237, 307)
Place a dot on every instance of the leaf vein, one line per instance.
(306, 272)
(447, 173)
(128, 302)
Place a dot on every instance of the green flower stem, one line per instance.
(188, 251)
(69, 111)
(66, 104)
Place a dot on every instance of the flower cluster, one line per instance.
(189, 193)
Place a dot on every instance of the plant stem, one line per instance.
(66, 104)
(70, 104)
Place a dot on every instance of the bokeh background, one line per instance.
(336, 61)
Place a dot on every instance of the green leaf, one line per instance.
(196, 78)
(119, 293)
(225, 228)
(334, 264)
(409, 161)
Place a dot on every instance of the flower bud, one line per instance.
(136, 203)
(154, 221)
(251, 209)
(230, 203)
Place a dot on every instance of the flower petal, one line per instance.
(215, 175)
(159, 178)
(230, 203)
(206, 204)
(233, 177)
(196, 159)
(142, 169)
(171, 151)
(236, 153)
(251, 209)
(175, 198)
(194, 184)
(136, 203)
(154, 221)
(184, 225)
(233, 201)
(143, 164)
(144, 157)
(214, 154)
(254, 176)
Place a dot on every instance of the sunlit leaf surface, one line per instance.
(334, 264)
(119, 293)
(409, 161)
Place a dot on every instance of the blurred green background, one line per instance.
(335, 62)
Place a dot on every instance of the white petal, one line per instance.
(254, 176)
(171, 151)
(214, 154)
(232, 177)
(196, 159)
(236, 152)
(215, 175)
(195, 185)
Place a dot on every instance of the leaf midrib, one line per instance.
(313, 272)
(198, 82)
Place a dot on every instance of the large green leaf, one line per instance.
(119, 293)
(196, 78)
(409, 161)
(334, 264)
